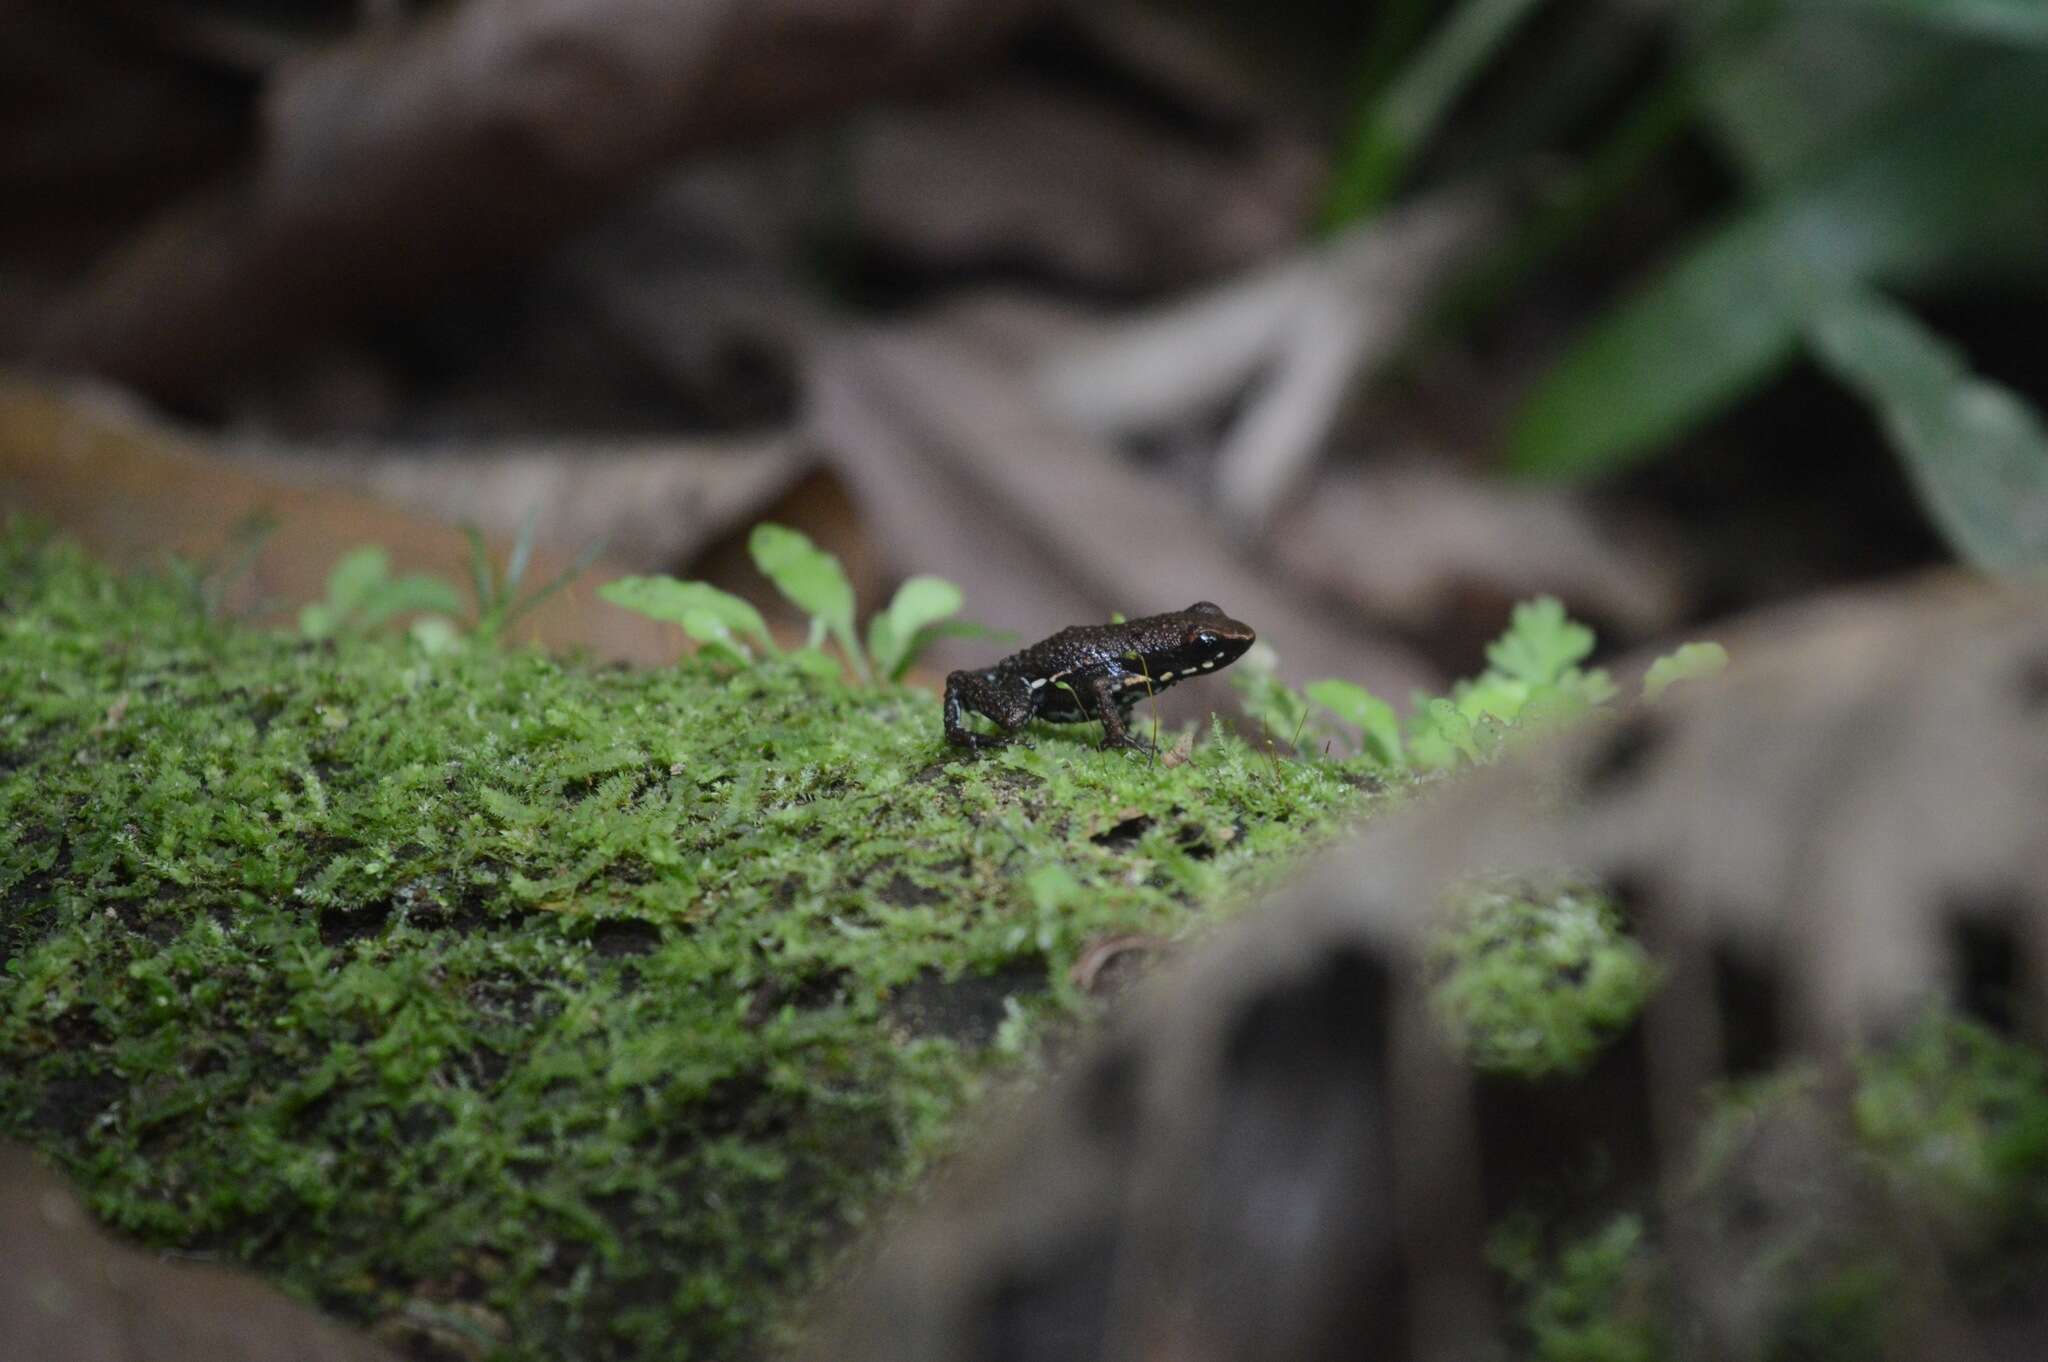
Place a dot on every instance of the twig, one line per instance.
(1313, 324)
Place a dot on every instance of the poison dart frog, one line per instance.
(1094, 671)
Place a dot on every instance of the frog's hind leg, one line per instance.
(1007, 703)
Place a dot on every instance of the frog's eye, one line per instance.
(1205, 638)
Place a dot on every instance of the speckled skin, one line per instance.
(1094, 671)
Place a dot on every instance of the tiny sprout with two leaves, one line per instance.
(728, 628)
(362, 595)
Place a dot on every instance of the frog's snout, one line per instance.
(1236, 640)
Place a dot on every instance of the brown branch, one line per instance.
(397, 161)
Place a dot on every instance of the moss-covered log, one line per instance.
(538, 1008)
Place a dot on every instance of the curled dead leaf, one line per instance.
(1110, 964)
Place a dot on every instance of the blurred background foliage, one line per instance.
(1877, 146)
(1371, 317)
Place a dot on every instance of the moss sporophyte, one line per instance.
(599, 1004)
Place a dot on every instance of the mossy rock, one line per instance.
(1534, 979)
(528, 1008)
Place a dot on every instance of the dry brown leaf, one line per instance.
(1019, 173)
(133, 491)
(468, 140)
(1110, 964)
(1298, 334)
(1409, 544)
(652, 503)
(115, 713)
(71, 1293)
(967, 473)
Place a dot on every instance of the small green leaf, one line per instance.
(1540, 644)
(1491, 695)
(1052, 887)
(362, 594)
(969, 629)
(1552, 707)
(1363, 710)
(1279, 709)
(715, 637)
(884, 646)
(355, 577)
(1689, 662)
(923, 600)
(412, 593)
(1976, 453)
(896, 635)
(1438, 735)
(816, 662)
(1588, 688)
(435, 635)
(665, 598)
(318, 620)
(811, 579)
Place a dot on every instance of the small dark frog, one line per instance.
(1095, 671)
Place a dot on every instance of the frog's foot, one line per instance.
(1128, 741)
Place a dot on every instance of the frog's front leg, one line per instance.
(1007, 701)
(1110, 701)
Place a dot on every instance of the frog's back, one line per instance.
(1073, 648)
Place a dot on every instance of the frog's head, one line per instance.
(1209, 639)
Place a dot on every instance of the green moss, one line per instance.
(1845, 1312)
(1956, 1118)
(1948, 1132)
(573, 1010)
(1595, 1297)
(1533, 980)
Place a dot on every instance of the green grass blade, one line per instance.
(522, 551)
(482, 576)
(1942, 187)
(1400, 121)
(576, 568)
